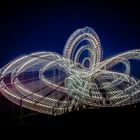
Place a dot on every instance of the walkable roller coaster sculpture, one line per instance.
(54, 84)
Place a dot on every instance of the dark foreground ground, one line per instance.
(12, 116)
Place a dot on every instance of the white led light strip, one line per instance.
(53, 84)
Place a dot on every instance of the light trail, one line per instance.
(49, 83)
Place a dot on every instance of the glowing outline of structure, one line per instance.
(94, 86)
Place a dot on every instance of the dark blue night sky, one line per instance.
(45, 26)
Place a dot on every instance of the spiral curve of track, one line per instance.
(54, 84)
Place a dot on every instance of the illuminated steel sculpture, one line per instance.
(53, 84)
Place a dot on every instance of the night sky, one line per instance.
(33, 26)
